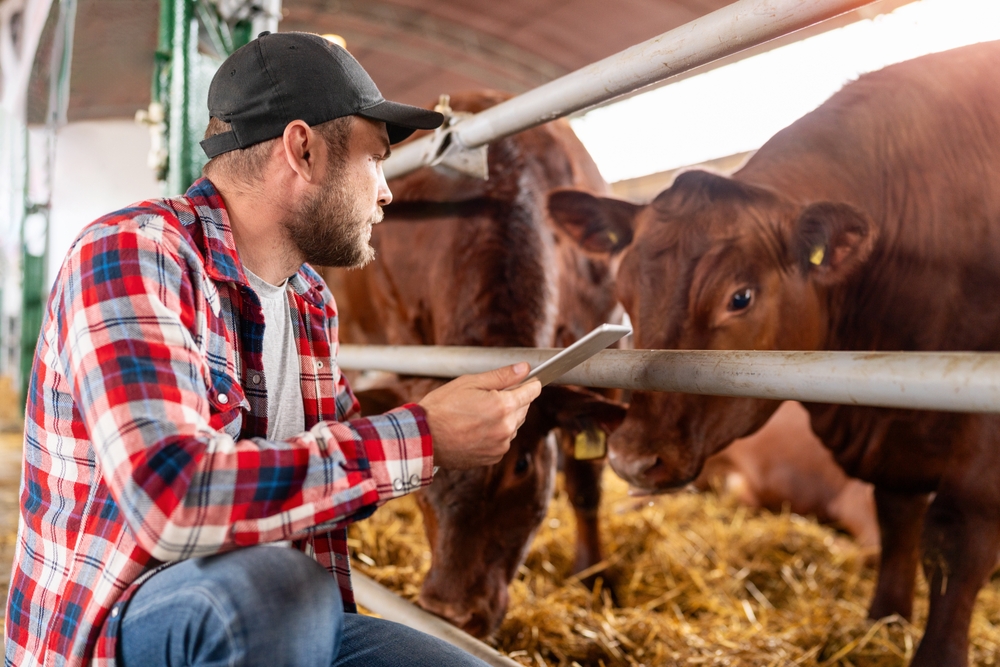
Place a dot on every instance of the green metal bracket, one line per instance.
(194, 39)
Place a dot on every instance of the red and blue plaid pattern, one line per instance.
(144, 430)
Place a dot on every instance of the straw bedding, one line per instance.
(700, 581)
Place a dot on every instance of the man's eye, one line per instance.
(741, 299)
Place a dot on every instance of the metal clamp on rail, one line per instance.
(444, 147)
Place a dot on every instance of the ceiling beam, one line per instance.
(380, 24)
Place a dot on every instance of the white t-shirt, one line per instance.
(285, 415)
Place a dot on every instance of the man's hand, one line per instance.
(473, 419)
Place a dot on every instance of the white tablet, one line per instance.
(577, 353)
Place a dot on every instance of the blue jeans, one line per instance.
(267, 606)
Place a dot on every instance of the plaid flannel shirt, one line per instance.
(144, 431)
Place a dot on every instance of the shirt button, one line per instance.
(256, 379)
(114, 612)
(223, 399)
(319, 364)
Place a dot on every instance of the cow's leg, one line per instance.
(583, 486)
(960, 544)
(900, 520)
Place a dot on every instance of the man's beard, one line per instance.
(332, 229)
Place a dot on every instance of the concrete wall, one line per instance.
(100, 167)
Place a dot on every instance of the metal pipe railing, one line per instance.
(379, 599)
(952, 381)
(726, 31)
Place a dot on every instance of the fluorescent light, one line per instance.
(738, 107)
(336, 39)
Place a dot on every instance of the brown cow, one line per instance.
(470, 262)
(784, 465)
(873, 223)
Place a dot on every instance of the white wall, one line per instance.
(100, 167)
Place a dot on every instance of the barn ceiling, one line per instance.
(414, 49)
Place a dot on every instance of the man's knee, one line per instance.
(265, 602)
(274, 587)
(272, 576)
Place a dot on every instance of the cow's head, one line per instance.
(480, 522)
(713, 264)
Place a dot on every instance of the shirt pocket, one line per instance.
(226, 401)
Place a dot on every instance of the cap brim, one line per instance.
(402, 120)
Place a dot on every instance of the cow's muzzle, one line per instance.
(478, 616)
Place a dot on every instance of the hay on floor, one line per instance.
(700, 581)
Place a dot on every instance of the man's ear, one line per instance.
(831, 241)
(597, 224)
(299, 144)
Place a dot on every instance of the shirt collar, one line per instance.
(222, 262)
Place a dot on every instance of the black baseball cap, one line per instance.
(286, 76)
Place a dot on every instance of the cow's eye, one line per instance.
(741, 299)
(523, 463)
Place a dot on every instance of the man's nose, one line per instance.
(384, 193)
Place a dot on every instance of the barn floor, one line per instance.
(701, 581)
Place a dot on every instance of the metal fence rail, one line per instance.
(726, 31)
(379, 599)
(952, 381)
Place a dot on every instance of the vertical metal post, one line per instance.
(183, 74)
(183, 40)
(13, 148)
(40, 154)
(266, 19)
(34, 286)
(18, 48)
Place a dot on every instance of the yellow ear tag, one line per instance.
(613, 238)
(590, 444)
(818, 253)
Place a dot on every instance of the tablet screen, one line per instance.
(577, 353)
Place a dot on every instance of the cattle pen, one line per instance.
(793, 459)
(962, 382)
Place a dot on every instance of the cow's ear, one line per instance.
(597, 224)
(830, 241)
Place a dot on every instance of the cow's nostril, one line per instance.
(455, 615)
(649, 465)
(635, 469)
(477, 625)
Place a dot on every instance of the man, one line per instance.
(186, 407)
